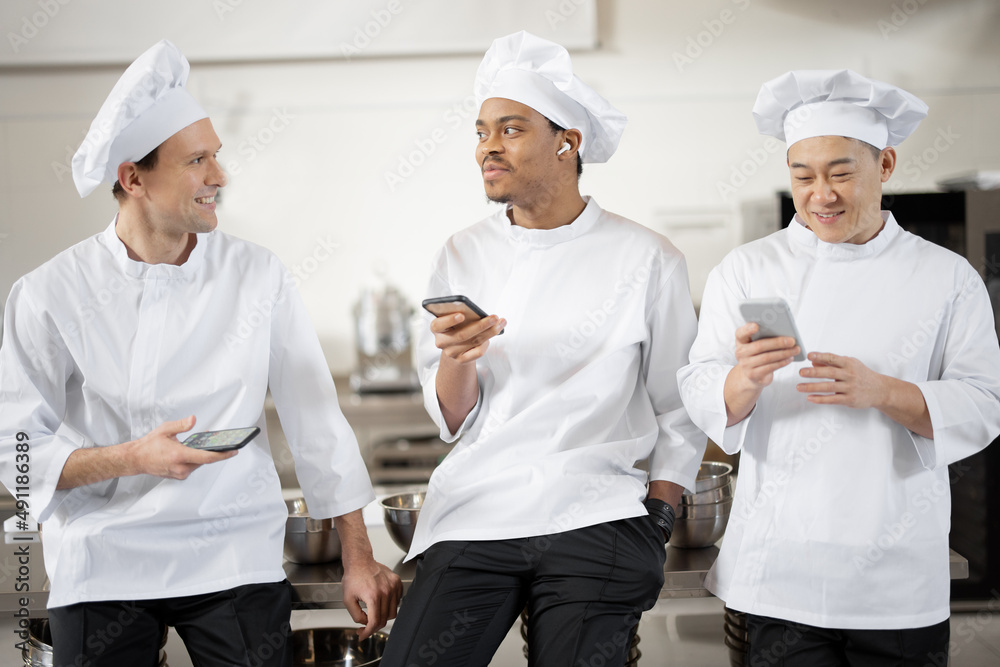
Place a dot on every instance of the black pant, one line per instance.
(775, 642)
(246, 626)
(585, 590)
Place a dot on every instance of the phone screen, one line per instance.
(222, 441)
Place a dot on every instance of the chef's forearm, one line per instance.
(904, 403)
(355, 545)
(95, 464)
(740, 396)
(457, 387)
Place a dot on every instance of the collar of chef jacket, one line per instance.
(803, 237)
(143, 271)
(548, 237)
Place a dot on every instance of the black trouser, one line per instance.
(585, 590)
(786, 644)
(246, 626)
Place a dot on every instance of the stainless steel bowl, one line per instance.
(336, 647)
(716, 495)
(705, 510)
(309, 540)
(698, 533)
(400, 514)
(711, 475)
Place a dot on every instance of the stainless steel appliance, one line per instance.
(382, 333)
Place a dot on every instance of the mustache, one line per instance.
(495, 161)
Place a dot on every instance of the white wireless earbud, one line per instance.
(565, 147)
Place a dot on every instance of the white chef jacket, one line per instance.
(841, 515)
(579, 388)
(99, 349)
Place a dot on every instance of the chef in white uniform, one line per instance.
(837, 546)
(540, 503)
(157, 326)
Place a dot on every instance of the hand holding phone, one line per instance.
(221, 441)
(456, 303)
(774, 319)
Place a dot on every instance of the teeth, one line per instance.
(831, 215)
(206, 200)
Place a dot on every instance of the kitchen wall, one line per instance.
(354, 172)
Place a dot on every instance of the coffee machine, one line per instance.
(384, 343)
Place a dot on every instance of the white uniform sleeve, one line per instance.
(429, 358)
(713, 355)
(328, 463)
(680, 445)
(964, 403)
(35, 367)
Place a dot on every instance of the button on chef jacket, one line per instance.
(841, 515)
(99, 349)
(579, 388)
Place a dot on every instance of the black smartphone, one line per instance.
(456, 303)
(222, 441)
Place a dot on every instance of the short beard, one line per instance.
(500, 199)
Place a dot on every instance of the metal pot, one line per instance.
(309, 540)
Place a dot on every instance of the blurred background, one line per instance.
(348, 133)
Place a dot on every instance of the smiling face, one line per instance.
(837, 187)
(517, 153)
(177, 196)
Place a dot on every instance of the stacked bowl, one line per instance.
(702, 516)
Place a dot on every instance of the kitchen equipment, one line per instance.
(37, 651)
(336, 647)
(382, 334)
(711, 475)
(309, 540)
(716, 495)
(406, 460)
(400, 514)
(702, 516)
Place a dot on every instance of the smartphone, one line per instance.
(774, 318)
(456, 303)
(222, 441)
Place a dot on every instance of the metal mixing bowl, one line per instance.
(698, 533)
(705, 510)
(309, 540)
(336, 647)
(400, 514)
(711, 475)
(716, 495)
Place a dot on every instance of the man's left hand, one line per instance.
(849, 382)
(378, 587)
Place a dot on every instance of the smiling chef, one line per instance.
(115, 347)
(837, 546)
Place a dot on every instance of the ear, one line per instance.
(130, 178)
(573, 138)
(887, 163)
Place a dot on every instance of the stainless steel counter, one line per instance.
(23, 583)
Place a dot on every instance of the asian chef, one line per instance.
(156, 326)
(541, 502)
(837, 546)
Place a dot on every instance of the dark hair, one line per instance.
(556, 129)
(147, 163)
(875, 150)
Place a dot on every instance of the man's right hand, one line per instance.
(161, 454)
(157, 453)
(756, 363)
(461, 344)
(463, 341)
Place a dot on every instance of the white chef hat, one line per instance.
(814, 103)
(539, 74)
(147, 106)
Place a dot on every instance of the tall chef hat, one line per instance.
(815, 103)
(539, 74)
(147, 106)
